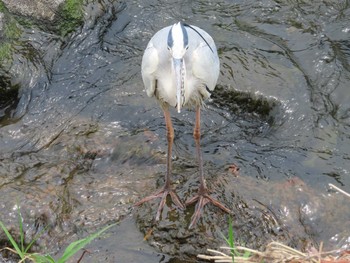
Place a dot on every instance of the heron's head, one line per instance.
(178, 40)
(177, 46)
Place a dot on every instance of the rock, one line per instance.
(39, 9)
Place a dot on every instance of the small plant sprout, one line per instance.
(22, 250)
(231, 243)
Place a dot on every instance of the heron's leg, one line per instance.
(167, 189)
(203, 196)
(170, 137)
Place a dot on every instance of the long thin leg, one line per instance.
(203, 196)
(167, 189)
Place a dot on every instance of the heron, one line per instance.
(180, 67)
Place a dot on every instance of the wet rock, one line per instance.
(81, 183)
(289, 212)
(171, 234)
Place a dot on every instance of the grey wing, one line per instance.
(149, 66)
(206, 64)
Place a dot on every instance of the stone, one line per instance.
(39, 9)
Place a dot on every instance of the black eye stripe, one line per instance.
(170, 41)
(184, 31)
(170, 38)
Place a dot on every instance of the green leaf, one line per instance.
(77, 245)
(37, 258)
(13, 242)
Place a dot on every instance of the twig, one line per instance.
(279, 246)
(246, 249)
(217, 252)
(319, 252)
(82, 255)
(339, 190)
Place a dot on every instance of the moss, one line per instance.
(71, 16)
(73, 9)
(5, 51)
(2, 7)
(12, 30)
(11, 33)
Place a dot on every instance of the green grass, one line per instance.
(230, 240)
(22, 250)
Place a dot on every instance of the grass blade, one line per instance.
(21, 232)
(13, 242)
(37, 258)
(231, 239)
(77, 245)
(36, 237)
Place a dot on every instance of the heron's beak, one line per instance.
(179, 78)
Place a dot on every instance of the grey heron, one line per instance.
(180, 67)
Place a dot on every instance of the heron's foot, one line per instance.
(202, 198)
(163, 193)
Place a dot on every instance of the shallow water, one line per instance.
(85, 142)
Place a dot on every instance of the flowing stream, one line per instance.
(85, 142)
